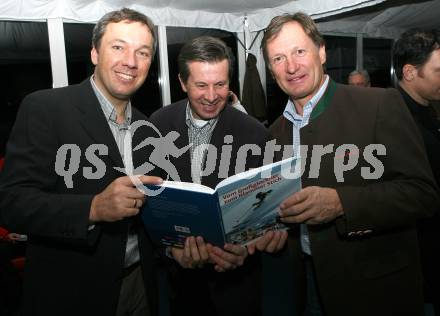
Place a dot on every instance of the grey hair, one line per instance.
(361, 72)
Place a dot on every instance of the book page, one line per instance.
(264, 170)
(188, 186)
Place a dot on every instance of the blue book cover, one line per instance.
(239, 210)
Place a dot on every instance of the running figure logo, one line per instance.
(163, 148)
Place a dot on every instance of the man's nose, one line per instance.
(291, 64)
(130, 59)
(211, 94)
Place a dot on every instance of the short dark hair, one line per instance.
(204, 49)
(117, 16)
(277, 23)
(414, 47)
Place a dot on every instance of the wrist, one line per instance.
(93, 217)
(337, 204)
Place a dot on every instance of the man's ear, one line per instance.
(94, 56)
(322, 54)
(182, 84)
(409, 72)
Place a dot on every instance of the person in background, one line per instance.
(359, 78)
(365, 183)
(205, 70)
(416, 57)
(86, 252)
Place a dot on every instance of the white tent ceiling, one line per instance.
(221, 14)
(377, 18)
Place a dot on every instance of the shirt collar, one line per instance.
(290, 111)
(191, 121)
(108, 108)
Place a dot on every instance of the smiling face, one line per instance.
(122, 60)
(296, 63)
(207, 88)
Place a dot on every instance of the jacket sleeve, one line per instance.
(406, 191)
(30, 200)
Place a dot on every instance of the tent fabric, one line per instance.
(389, 22)
(229, 15)
(226, 14)
(23, 41)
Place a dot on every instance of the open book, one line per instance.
(239, 210)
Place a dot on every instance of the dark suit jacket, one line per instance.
(428, 229)
(69, 270)
(206, 292)
(367, 261)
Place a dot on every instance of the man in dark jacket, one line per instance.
(203, 120)
(416, 57)
(61, 184)
(366, 182)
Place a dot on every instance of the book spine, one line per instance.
(220, 217)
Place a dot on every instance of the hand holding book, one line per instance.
(272, 241)
(231, 257)
(193, 255)
(196, 253)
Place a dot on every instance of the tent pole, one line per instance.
(359, 51)
(164, 77)
(241, 60)
(57, 52)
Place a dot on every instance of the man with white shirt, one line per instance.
(87, 254)
(353, 223)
